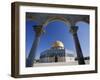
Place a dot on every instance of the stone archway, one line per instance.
(57, 18)
(73, 31)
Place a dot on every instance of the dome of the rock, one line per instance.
(57, 53)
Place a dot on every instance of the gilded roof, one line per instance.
(58, 44)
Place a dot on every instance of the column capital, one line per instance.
(73, 29)
(38, 30)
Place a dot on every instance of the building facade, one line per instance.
(57, 53)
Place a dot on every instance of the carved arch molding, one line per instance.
(45, 18)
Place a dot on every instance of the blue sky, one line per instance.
(54, 31)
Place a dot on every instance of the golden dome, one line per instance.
(58, 44)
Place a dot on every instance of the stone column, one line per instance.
(38, 31)
(80, 57)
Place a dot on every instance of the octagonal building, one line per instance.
(57, 53)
